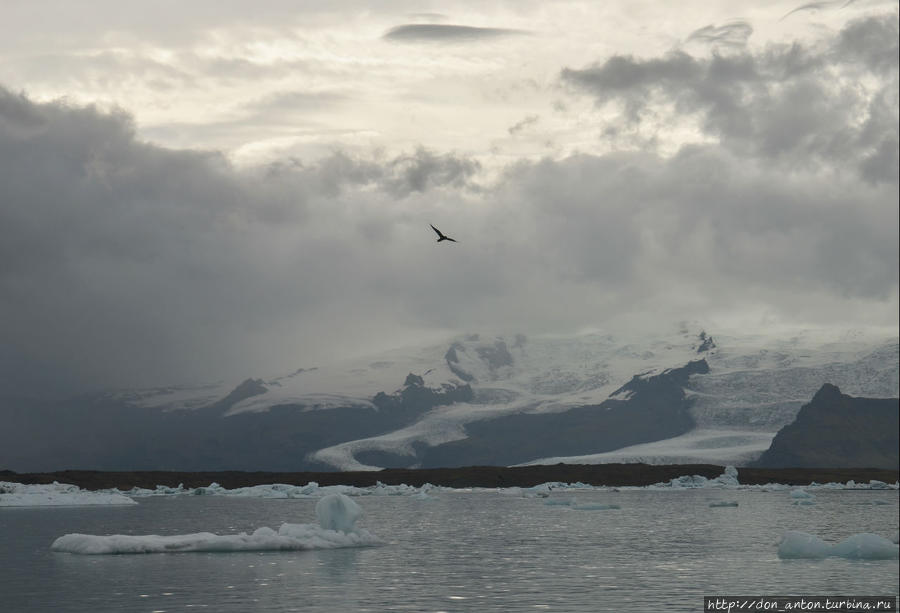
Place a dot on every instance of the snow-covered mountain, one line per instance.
(755, 385)
(689, 396)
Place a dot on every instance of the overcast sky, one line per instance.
(215, 189)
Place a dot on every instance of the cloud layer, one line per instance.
(126, 263)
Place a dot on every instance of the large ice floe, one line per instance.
(865, 546)
(337, 515)
(56, 495)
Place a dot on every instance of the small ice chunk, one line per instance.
(593, 506)
(864, 546)
(337, 512)
(560, 502)
(729, 477)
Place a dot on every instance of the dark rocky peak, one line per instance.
(838, 431)
(706, 342)
(246, 389)
(679, 376)
(415, 397)
(827, 394)
(415, 380)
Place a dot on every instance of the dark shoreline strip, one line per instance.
(469, 476)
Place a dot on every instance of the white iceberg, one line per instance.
(56, 495)
(337, 516)
(728, 479)
(864, 546)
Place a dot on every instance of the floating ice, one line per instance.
(337, 512)
(806, 502)
(865, 546)
(724, 503)
(801, 493)
(728, 479)
(337, 516)
(560, 502)
(56, 495)
(593, 506)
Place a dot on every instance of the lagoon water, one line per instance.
(460, 551)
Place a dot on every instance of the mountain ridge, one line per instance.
(410, 406)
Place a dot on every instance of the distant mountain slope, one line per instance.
(472, 399)
(839, 431)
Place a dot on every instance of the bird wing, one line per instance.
(436, 230)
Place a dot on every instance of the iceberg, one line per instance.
(337, 516)
(338, 513)
(728, 479)
(865, 546)
(56, 495)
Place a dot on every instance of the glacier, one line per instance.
(432, 404)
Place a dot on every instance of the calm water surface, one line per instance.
(462, 551)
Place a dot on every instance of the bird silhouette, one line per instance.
(441, 236)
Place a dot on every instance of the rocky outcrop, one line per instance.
(837, 431)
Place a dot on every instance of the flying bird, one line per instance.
(441, 236)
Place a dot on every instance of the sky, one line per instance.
(201, 191)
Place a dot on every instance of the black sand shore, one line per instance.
(470, 476)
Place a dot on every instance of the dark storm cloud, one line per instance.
(732, 34)
(425, 170)
(872, 42)
(124, 263)
(418, 32)
(791, 104)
